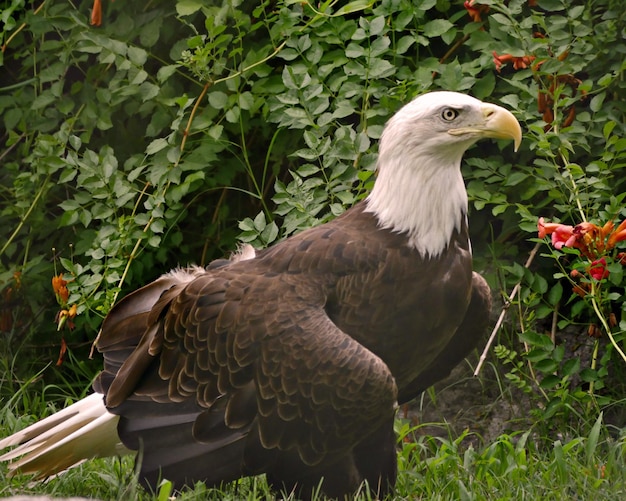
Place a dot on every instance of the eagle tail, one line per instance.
(82, 431)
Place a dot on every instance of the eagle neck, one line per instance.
(427, 201)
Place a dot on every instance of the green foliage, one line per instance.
(562, 71)
(128, 150)
(512, 467)
(176, 130)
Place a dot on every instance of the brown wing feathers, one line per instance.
(249, 361)
(125, 328)
(262, 363)
(290, 361)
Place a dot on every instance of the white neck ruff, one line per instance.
(420, 193)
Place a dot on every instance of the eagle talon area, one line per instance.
(291, 361)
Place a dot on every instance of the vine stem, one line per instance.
(26, 216)
(22, 26)
(191, 117)
(594, 362)
(574, 189)
(605, 325)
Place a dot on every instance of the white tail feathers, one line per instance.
(82, 431)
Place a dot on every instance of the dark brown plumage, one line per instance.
(291, 361)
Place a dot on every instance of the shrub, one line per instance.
(174, 130)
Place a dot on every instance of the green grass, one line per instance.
(516, 466)
(548, 461)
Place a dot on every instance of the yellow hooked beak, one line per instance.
(497, 123)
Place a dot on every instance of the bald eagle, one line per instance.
(291, 361)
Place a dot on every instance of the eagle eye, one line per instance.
(449, 114)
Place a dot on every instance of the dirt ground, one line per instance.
(488, 405)
(482, 405)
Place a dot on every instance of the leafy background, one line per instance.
(174, 131)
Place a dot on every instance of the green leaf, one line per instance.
(536, 340)
(188, 7)
(597, 101)
(549, 381)
(539, 284)
(543, 311)
(269, 233)
(218, 99)
(157, 226)
(137, 55)
(166, 72)
(246, 101)
(515, 178)
(608, 128)
(381, 68)
(404, 44)
(156, 145)
(11, 118)
(571, 367)
(436, 28)
(154, 241)
(376, 26)
(354, 50)
(42, 101)
(260, 222)
(66, 176)
(354, 6)
(592, 441)
(555, 294)
(246, 224)
(148, 91)
(551, 5)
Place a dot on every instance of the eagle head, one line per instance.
(419, 189)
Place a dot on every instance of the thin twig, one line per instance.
(505, 308)
(531, 369)
(22, 26)
(553, 327)
(14, 145)
(25, 217)
(192, 115)
(454, 48)
(605, 325)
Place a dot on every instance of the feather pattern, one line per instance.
(291, 361)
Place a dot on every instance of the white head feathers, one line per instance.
(419, 189)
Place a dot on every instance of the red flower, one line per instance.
(475, 11)
(546, 228)
(519, 62)
(60, 290)
(589, 239)
(563, 235)
(62, 353)
(96, 13)
(618, 235)
(594, 331)
(592, 240)
(598, 269)
(64, 317)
